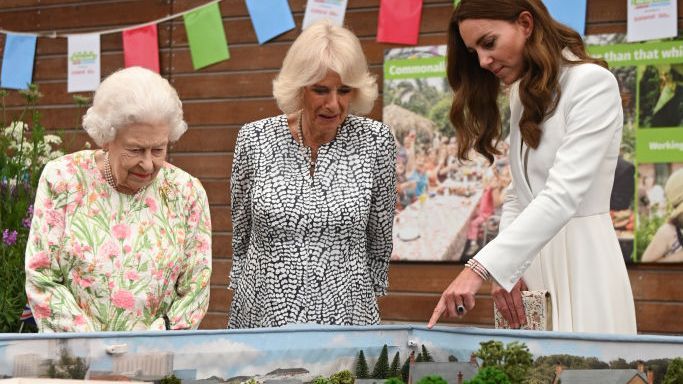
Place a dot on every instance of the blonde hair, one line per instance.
(129, 96)
(324, 47)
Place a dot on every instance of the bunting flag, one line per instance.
(141, 47)
(27, 315)
(206, 36)
(270, 18)
(399, 21)
(332, 10)
(17, 61)
(570, 13)
(83, 62)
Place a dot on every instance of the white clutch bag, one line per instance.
(538, 309)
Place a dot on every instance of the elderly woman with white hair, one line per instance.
(313, 193)
(120, 239)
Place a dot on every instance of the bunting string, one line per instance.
(55, 35)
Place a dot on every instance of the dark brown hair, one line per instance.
(474, 112)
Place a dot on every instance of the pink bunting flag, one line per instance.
(141, 47)
(399, 21)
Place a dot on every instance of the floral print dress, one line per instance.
(99, 260)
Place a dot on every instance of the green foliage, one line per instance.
(395, 368)
(362, 371)
(342, 377)
(382, 365)
(426, 356)
(492, 353)
(67, 366)
(393, 380)
(674, 374)
(405, 370)
(432, 379)
(489, 375)
(24, 150)
(439, 113)
(518, 362)
(543, 370)
(321, 380)
(645, 231)
(171, 379)
(514, 360)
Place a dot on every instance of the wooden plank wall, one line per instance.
(219, 99)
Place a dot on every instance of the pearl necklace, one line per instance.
(306, 151)
(109, 177)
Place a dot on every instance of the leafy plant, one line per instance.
(489, 375)
(25, 148)
(171, 379)
(432, 379)
(514, 360)
(67, 366)
(674, 374)
(646, 229)
(342, 377)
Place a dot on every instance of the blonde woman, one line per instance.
(313, 193)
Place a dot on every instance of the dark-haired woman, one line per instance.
(566, 122)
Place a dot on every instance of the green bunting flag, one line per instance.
(206, 36)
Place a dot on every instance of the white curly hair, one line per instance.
(131, 96)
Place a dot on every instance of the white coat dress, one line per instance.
(556, 230)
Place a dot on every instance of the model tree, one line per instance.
(395, 369)
(490, 375)
(342, 377)
(674, 374)
(514, 359)
(382, 365)
(393, 380)
(67, 366)
(405, 370)
(426, 356)
(432, 379)
(362, 371)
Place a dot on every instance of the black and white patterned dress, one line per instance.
(311, 249)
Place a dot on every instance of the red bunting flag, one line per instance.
(141, 47)
(399, 21)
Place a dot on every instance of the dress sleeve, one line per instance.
(511, 207)
(593, 117)
(53, 305)
(240, 204)
(193, 284)
(382, 206)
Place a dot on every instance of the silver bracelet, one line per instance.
(479, 269)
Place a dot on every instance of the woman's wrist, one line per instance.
(478, 268)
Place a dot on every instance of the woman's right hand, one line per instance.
(510, 303)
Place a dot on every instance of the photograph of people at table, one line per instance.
(313, 193)
(447, 208)
(566, 120)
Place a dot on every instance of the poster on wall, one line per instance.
(651, 159)
(651, 19)
(446, 209)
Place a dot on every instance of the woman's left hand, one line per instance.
(510, 303)
(459, 294)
